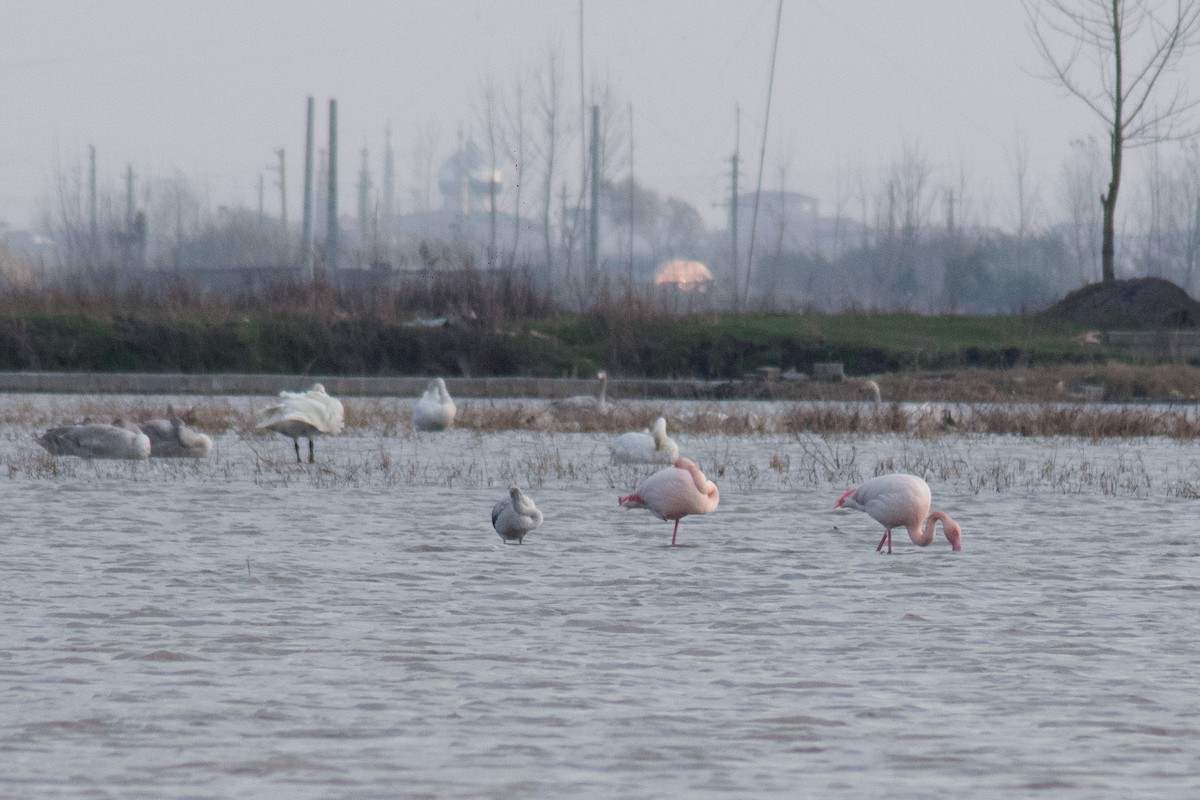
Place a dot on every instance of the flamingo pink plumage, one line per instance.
(901, 500)
(674, 493)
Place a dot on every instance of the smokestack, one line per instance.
(331, 235)
(306, 234)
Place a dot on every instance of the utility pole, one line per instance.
(364, 200)
(129, 199)
(733, 205)
(127, 254)
(631, 195)
(306, 234)
(593, 261)
(283, 218)
(93, 226)
(389, 186)
(331, 231)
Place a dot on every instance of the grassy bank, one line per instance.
(710, 346)
(498, 326)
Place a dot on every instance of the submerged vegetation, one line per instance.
(746, 446)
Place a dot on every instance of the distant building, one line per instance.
(790, 222)
(462, 227)
(467, 181)
(28, 244)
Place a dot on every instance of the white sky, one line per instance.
(211, 88)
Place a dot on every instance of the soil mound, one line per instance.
(1136, 303)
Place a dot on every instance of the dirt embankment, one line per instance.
(1137, 303)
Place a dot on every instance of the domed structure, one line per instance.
(466, 180)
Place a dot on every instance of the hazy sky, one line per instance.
(211, 88)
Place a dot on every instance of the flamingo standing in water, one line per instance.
(646, 448)
(435, 410)
(305, 414)
(515, 516)
(901, 500)
(674, 493)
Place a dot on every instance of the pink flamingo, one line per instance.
(675, 492)
(896, 500)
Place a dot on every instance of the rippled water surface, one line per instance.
(248, 627)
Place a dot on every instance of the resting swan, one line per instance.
(172, 438)
(96, 440)
(435, 410)
(653, 447)
(583, 405)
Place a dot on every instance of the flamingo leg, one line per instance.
(887, 537)
(296, 444)
(674, 533)
(310, 451)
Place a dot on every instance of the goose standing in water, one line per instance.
(582, 406)
(654, 447)
(306, 414)
(172, 438)
(96, 440)
(515, 516)
(435, 410)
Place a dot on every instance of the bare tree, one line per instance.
(1191, 216)
(1131, 46)
(488, 114)
(1081, 182)
(423, 171)
(515, 113)
(1027, 195)
(549, 117)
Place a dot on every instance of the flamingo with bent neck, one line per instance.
(901, 500)
(674, 493)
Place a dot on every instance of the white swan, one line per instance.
(654, 447)
(172, 438)
(871, 389)
(96, 440)
(515, 516)
(435, 410)
(305, 414)
(582, 406)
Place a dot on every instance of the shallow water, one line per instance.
(249, 627)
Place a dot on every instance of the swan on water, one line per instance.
(96, 440)
(308, 414)
(172, 438)
(582, 406)
(435, 410)
(651, 447)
